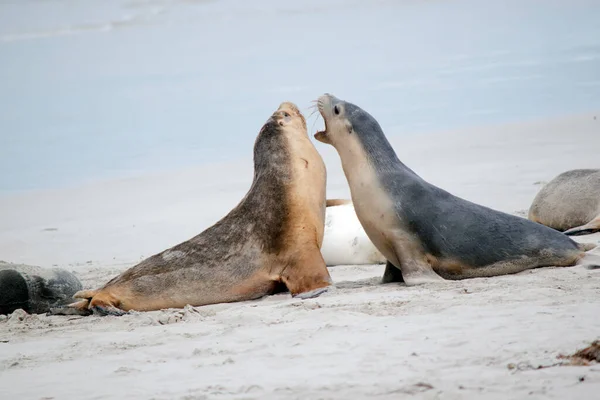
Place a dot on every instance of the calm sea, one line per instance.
(97, 90)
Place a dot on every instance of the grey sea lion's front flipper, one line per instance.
(391, 274)
(587, 229)
(413, 265)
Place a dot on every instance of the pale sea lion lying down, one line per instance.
(345, 241)
(570, 203)
(423, 231)
(269, 242)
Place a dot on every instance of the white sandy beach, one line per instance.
(478, 338)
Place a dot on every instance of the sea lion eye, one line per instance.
(285, 114)
(336, 110)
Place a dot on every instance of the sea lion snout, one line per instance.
(289, 107)
(329, 107)
(288, 113)
(326, 103)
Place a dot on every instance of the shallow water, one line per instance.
(110, 90)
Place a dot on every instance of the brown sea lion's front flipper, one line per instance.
(591, 227)
(307, 276)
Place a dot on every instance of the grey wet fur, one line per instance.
(35, 289)
(570, 202)
(457, 238)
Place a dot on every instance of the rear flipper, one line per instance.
(95, 302)
(105, 303)
(103, 310)
(77, 308)
(591, 227)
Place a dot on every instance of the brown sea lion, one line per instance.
(269, 242)
(570, 203)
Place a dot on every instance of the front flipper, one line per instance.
(104, 310)
(77, 308)
(591, 227)
(416, 270)
(392, 274)
(307, 275)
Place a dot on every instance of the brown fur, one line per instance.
(454, 269)
(272, 237)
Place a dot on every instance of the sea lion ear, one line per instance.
(349, 127)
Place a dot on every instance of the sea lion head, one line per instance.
(345, 122)
(271, 147)
(288, 117)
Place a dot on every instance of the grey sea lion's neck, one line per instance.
(383, 158)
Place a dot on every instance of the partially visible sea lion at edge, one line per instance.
(269, 242)
(570, 203)
(345, 241)
(35, 289)
(424, 232)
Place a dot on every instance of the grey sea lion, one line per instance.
(570, 203)
(35, 289)
(424, 232)
(268, 243)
